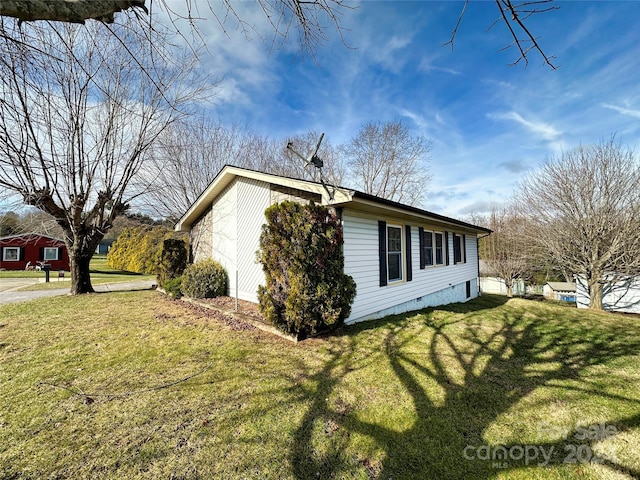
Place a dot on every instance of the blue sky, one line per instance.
(490, 123)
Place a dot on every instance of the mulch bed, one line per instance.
(249, 309)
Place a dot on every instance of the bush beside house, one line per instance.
(306, 288)
(205, 279)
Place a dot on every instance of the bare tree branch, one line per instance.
(514, 15)
(385, 160)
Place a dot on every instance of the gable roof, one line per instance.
(562, 286)
(29, 237)
(342, 197)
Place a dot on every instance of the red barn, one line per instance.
(26, 251)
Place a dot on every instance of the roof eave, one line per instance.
(229, 173)
(416, 213)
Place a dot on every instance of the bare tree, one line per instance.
(585, 206)
(189, 155)
(77, 120)
(505, 251)
(307, 18)
(387, 161)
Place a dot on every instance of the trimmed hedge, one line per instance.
(139, 249)
(205, 279)
(306, 288)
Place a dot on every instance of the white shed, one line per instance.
(563, 291)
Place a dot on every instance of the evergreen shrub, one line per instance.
(173, 260)
(306, 288)
(205, 279)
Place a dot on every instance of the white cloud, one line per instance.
(544, 130)
(624, 111)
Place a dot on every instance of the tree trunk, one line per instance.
(509, 289)
(595, 295)
(80, 254)
(80, 276)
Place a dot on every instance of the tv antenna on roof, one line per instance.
(313, 160)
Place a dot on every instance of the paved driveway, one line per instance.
(8, 284)
(8, 293)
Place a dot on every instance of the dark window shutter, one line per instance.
(21, 254)
(41, 254)
(421, 245)
(446, 248)
(464, 249)
(407, 232)
(382, 251)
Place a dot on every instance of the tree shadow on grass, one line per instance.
(462, 374)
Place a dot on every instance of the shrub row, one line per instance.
(139, 249)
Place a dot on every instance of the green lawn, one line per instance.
(100, 273)
(417, 396)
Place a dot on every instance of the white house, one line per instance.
(619, 294)
(402, 258)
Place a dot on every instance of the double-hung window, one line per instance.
(459, 247)
(427, 245)
(432, 248)
(439, 241)
(394, 253)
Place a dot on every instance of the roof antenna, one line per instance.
(315, 161)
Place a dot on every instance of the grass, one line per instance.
(421, 395)
(100, 273)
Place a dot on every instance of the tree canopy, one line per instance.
(584, 208)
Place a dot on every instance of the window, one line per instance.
(394, 253)
(459, 247)
(432, 248)
(51, 253)
(11, 254)
(427, 245)
(439, 248)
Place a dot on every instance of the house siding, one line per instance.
(425, 288)
(250, 220)
(620, 296)
(224, 211)
(235, 222)
(202, 237)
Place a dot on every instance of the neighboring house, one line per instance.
(402, 258)
(563, 291)
(18, 252)
(104, 246)
(497, 285)
(621, 294)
